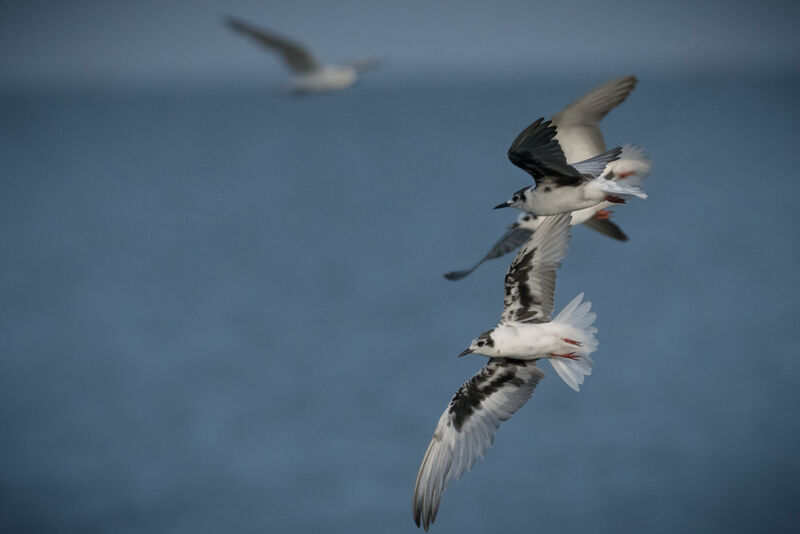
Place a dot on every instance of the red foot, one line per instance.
(570, 355)
(625, 174)
(571, 341)
(615, 199)
(603, 214)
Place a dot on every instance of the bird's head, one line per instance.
(517, 200)
(483, 344)
(529, 221)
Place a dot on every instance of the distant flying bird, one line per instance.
(561, 187)
(578, 133)
(524, 335)
(309, 74)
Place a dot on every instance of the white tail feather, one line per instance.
(577, 315)
(618, 188)
(573, 372)
(632, 167)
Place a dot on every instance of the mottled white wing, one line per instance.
(531, 280)
(466, 428)
(578, 131)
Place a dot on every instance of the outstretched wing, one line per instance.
(514, 237)
(296, 56)
(590, 109)
(578, 123)
(466, 428)
(536, 151)
(531, 279)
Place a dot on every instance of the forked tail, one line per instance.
(578, 315)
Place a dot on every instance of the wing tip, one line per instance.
(233, 22)
(456, 275)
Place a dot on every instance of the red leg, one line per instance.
(571, 341)
(603, 214)
(625, 174)
(570, 356)
(615, 199)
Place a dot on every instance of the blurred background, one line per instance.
(222, 306)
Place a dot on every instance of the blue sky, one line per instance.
(149, 41)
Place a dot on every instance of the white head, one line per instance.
(483, 344)
(529, 221)
(517, 200)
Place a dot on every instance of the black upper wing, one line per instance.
(536, 151)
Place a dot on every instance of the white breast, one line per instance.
(524, 341)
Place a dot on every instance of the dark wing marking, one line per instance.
(536, 151)
(513, 238)
(531, 280)
(466, 428)
(606, 227)
(296, 56)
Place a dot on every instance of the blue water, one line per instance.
(222, 310)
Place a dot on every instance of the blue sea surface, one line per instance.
(223, 310)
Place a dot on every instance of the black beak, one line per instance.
(468, 351)
(503, 205)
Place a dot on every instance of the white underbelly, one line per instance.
(560, 200)
(325, 79)
(526, 341)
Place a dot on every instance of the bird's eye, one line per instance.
(515, 198)
(480, 343)
(526, 218)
